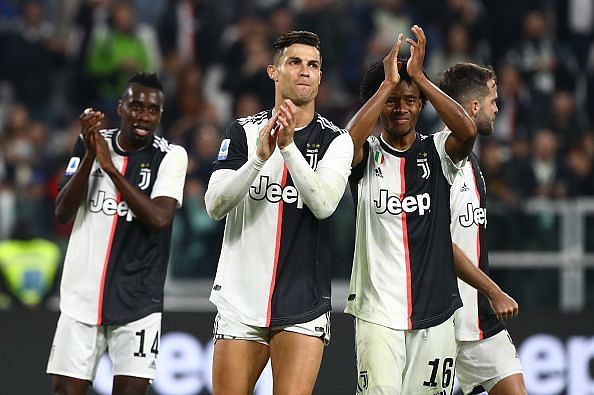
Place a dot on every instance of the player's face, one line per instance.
(298, 73)
(140, 109)
(488, 110)
(401, 110)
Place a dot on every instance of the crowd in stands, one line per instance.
(58, 57)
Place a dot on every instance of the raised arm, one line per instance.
(322, 189)
(503, 305)
(460, 142)
(361, 125)
(73, 192)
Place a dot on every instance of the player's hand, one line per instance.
(267, 138)
(504, 306)
(90, 122)
(287, 119)
(103, 154)
(414, 66)
(391, 63)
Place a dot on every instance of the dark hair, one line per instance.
(150, 80)
(375, 75)
(466, 81)
(294, 37)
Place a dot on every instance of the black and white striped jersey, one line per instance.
(274, 267)
(476, 320)
(115, 266)
(403, 271)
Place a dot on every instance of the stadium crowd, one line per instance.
(59, 57)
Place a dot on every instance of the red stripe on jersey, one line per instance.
(279, 228)
(478, 251)
(405, 243)
(114, 224)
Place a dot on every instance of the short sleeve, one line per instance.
(448, 167)
(78, 152)
(171, 176)
(233, 152)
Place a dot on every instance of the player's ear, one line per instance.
(475, 107)
(119, 109)
(271, 70)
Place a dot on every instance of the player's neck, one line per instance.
(400, 143)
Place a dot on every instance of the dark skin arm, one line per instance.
(72, 194)
(460, 142)
(361, 125)
(504, 306)
(156, 213)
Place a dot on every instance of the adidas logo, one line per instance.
(464, 188)
(153, 365)
(97, 173)
(378, 172)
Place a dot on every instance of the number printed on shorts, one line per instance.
(447, 373)
(154, 347)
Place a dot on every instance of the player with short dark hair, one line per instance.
(403, 290)
(486, 355)
(121, 187)
(278, 175)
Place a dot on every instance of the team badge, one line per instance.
(422, 163)
(145, 178)
(72, 165)
(311, 152)
(224, 150)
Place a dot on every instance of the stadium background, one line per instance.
(58, 57)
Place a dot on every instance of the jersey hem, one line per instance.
(229, 310)
(421, 324)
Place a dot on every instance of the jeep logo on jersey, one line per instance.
(473, 215)
(393, 205)
(110, 206)
(145, 178)
(422, 163)
(274, 192)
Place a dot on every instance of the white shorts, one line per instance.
(226, 327)
(486, 362)
(133, 347)
(391, 362)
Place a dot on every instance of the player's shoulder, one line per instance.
(255, 120)
(108, 133)
(163, 145)
(328, 126)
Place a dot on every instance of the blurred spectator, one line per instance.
(543, 175)
(514, 103)
(564, 120)
(188, 107)
(534, 54)
(189, 29)
(581, 177)
(116, 52)
(247, 54)
(458, 47)
(575, 27)
(30, 59)
(499, 174)
(28, 265)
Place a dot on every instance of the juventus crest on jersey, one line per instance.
(403, 271)
(115, 267)
(274, 269)
(476, 320)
